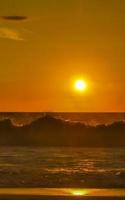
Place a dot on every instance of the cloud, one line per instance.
(10, 34)
(14, 17)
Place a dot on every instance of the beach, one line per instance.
(6, 197)
(61, 194)
(57, 198)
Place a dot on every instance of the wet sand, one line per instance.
(25, 197)
(61, 194)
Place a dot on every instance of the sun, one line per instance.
(80, 85)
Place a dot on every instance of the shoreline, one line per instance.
(62, 193)
(30, 197)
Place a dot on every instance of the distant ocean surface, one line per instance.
(62, 167)
(19, 118)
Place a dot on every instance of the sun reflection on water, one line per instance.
(81, 192)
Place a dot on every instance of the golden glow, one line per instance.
(79, 192)
(67, 50)
(80, 85)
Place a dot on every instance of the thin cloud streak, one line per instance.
(14, 18)
(10, 34)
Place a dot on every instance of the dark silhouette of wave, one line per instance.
(52, 131)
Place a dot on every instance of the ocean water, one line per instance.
(62, 167)
(23, 118)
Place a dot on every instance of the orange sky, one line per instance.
(56, 43)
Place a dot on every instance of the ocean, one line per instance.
(62, 167)
(22, 118)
